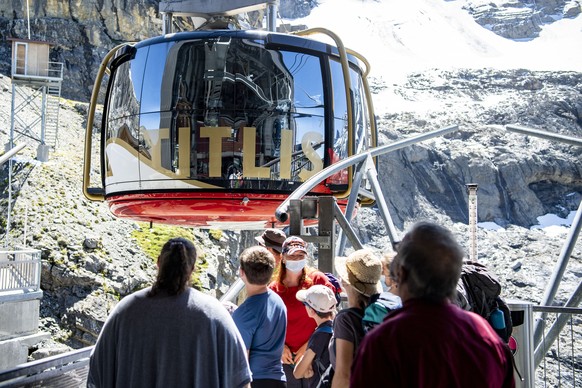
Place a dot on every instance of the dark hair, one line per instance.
(258, 265)
(320, 314)
(176, 263)
(432, 259)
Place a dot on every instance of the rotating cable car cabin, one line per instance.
(216, 127)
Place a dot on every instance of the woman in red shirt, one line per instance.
(295, 275)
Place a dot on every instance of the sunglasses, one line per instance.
(288, 247)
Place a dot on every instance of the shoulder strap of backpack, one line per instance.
(390, 301)
(324, 329)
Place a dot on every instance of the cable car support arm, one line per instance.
(364, 165)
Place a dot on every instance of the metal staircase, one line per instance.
(51, 130)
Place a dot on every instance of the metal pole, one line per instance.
(272, 16)
(545, 135)
(25, 225)
(43, 116)
(167, 19)
(380, 200)
(13, 107)
(9, 209)
(345, 225)
(472, 191)
(325, 257)
(28, 18)
(521, 336)
(10, 146)
(233, 291)
(352, 201)
(10, 153)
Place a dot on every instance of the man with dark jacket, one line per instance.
(430, 342)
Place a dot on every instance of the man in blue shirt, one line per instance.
(262, 319)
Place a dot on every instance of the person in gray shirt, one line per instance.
(170, 335)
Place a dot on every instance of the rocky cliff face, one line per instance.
(83, 32)
(519, 178)
(520, 19)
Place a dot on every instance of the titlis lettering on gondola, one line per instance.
(215, 137)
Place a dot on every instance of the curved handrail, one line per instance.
(309, 184)
(371, 114)
(346, 73)
(89, 132)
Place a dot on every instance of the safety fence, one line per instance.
(52, 70)
(558, 356)
(560, 363)
(68, 370)
(20, 270)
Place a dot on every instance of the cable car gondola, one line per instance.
(215, 128)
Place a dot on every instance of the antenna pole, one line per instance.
(472, 191)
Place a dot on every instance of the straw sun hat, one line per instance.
(362, 270)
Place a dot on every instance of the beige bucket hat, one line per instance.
(362, 270)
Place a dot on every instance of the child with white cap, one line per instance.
(320, 305)
(293, 276)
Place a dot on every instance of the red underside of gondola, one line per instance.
(200, 209)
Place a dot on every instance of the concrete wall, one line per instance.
(18, 318)
(15, 351)
(19, 315)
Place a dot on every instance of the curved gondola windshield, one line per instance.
(220, 113)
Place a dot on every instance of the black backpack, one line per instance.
(479, 291)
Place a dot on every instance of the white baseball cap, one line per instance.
(318, 297)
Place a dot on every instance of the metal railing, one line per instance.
(54, 70)
(558, 356)
(64, 370)
(20, 270)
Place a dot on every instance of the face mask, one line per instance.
(295, 265)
